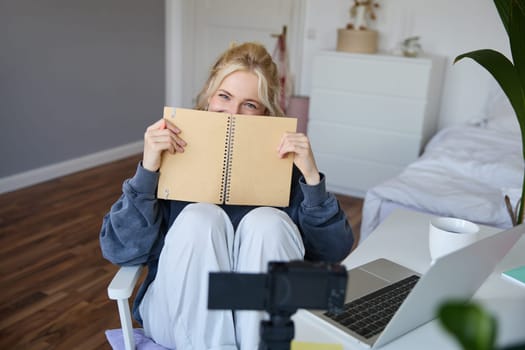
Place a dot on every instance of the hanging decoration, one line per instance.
(280, 56)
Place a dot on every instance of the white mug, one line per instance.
(449, 234)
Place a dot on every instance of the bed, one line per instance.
(465, 171)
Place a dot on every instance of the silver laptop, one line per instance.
(385, 300)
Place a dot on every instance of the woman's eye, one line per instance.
(224, 96)
(251, 105)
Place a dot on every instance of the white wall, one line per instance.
(174, 60)
(446, 28)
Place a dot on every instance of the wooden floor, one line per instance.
(53, 277)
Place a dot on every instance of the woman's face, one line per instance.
(237, 94)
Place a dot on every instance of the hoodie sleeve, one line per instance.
(132, 231)
(327, 235)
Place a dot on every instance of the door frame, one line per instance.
(295, 41)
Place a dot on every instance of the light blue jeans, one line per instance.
(202, 240)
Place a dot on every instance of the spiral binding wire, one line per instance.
(229, 158)
(225, 162)
(224, 195)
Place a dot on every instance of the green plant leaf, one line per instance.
(472, 326)
(503, 7)
(511, 77)
(516, 34)
(505, 74)
(517, 45)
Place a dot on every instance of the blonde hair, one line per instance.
(249, 57)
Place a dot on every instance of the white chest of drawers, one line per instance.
(370, 116)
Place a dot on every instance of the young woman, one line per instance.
(182, 242)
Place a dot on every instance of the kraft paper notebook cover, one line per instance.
(229, 159)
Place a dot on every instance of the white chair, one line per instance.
(120, 289)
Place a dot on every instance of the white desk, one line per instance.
(403, 238)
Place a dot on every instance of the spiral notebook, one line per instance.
(228, 159)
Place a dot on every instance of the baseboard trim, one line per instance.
(345, 191)
(32, 177)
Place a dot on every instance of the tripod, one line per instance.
(277, 332)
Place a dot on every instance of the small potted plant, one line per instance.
(357, 36)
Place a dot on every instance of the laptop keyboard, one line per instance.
(369, 315)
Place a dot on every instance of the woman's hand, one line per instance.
(159, 137)
(299, 144)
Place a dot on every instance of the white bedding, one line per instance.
(464, 172)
